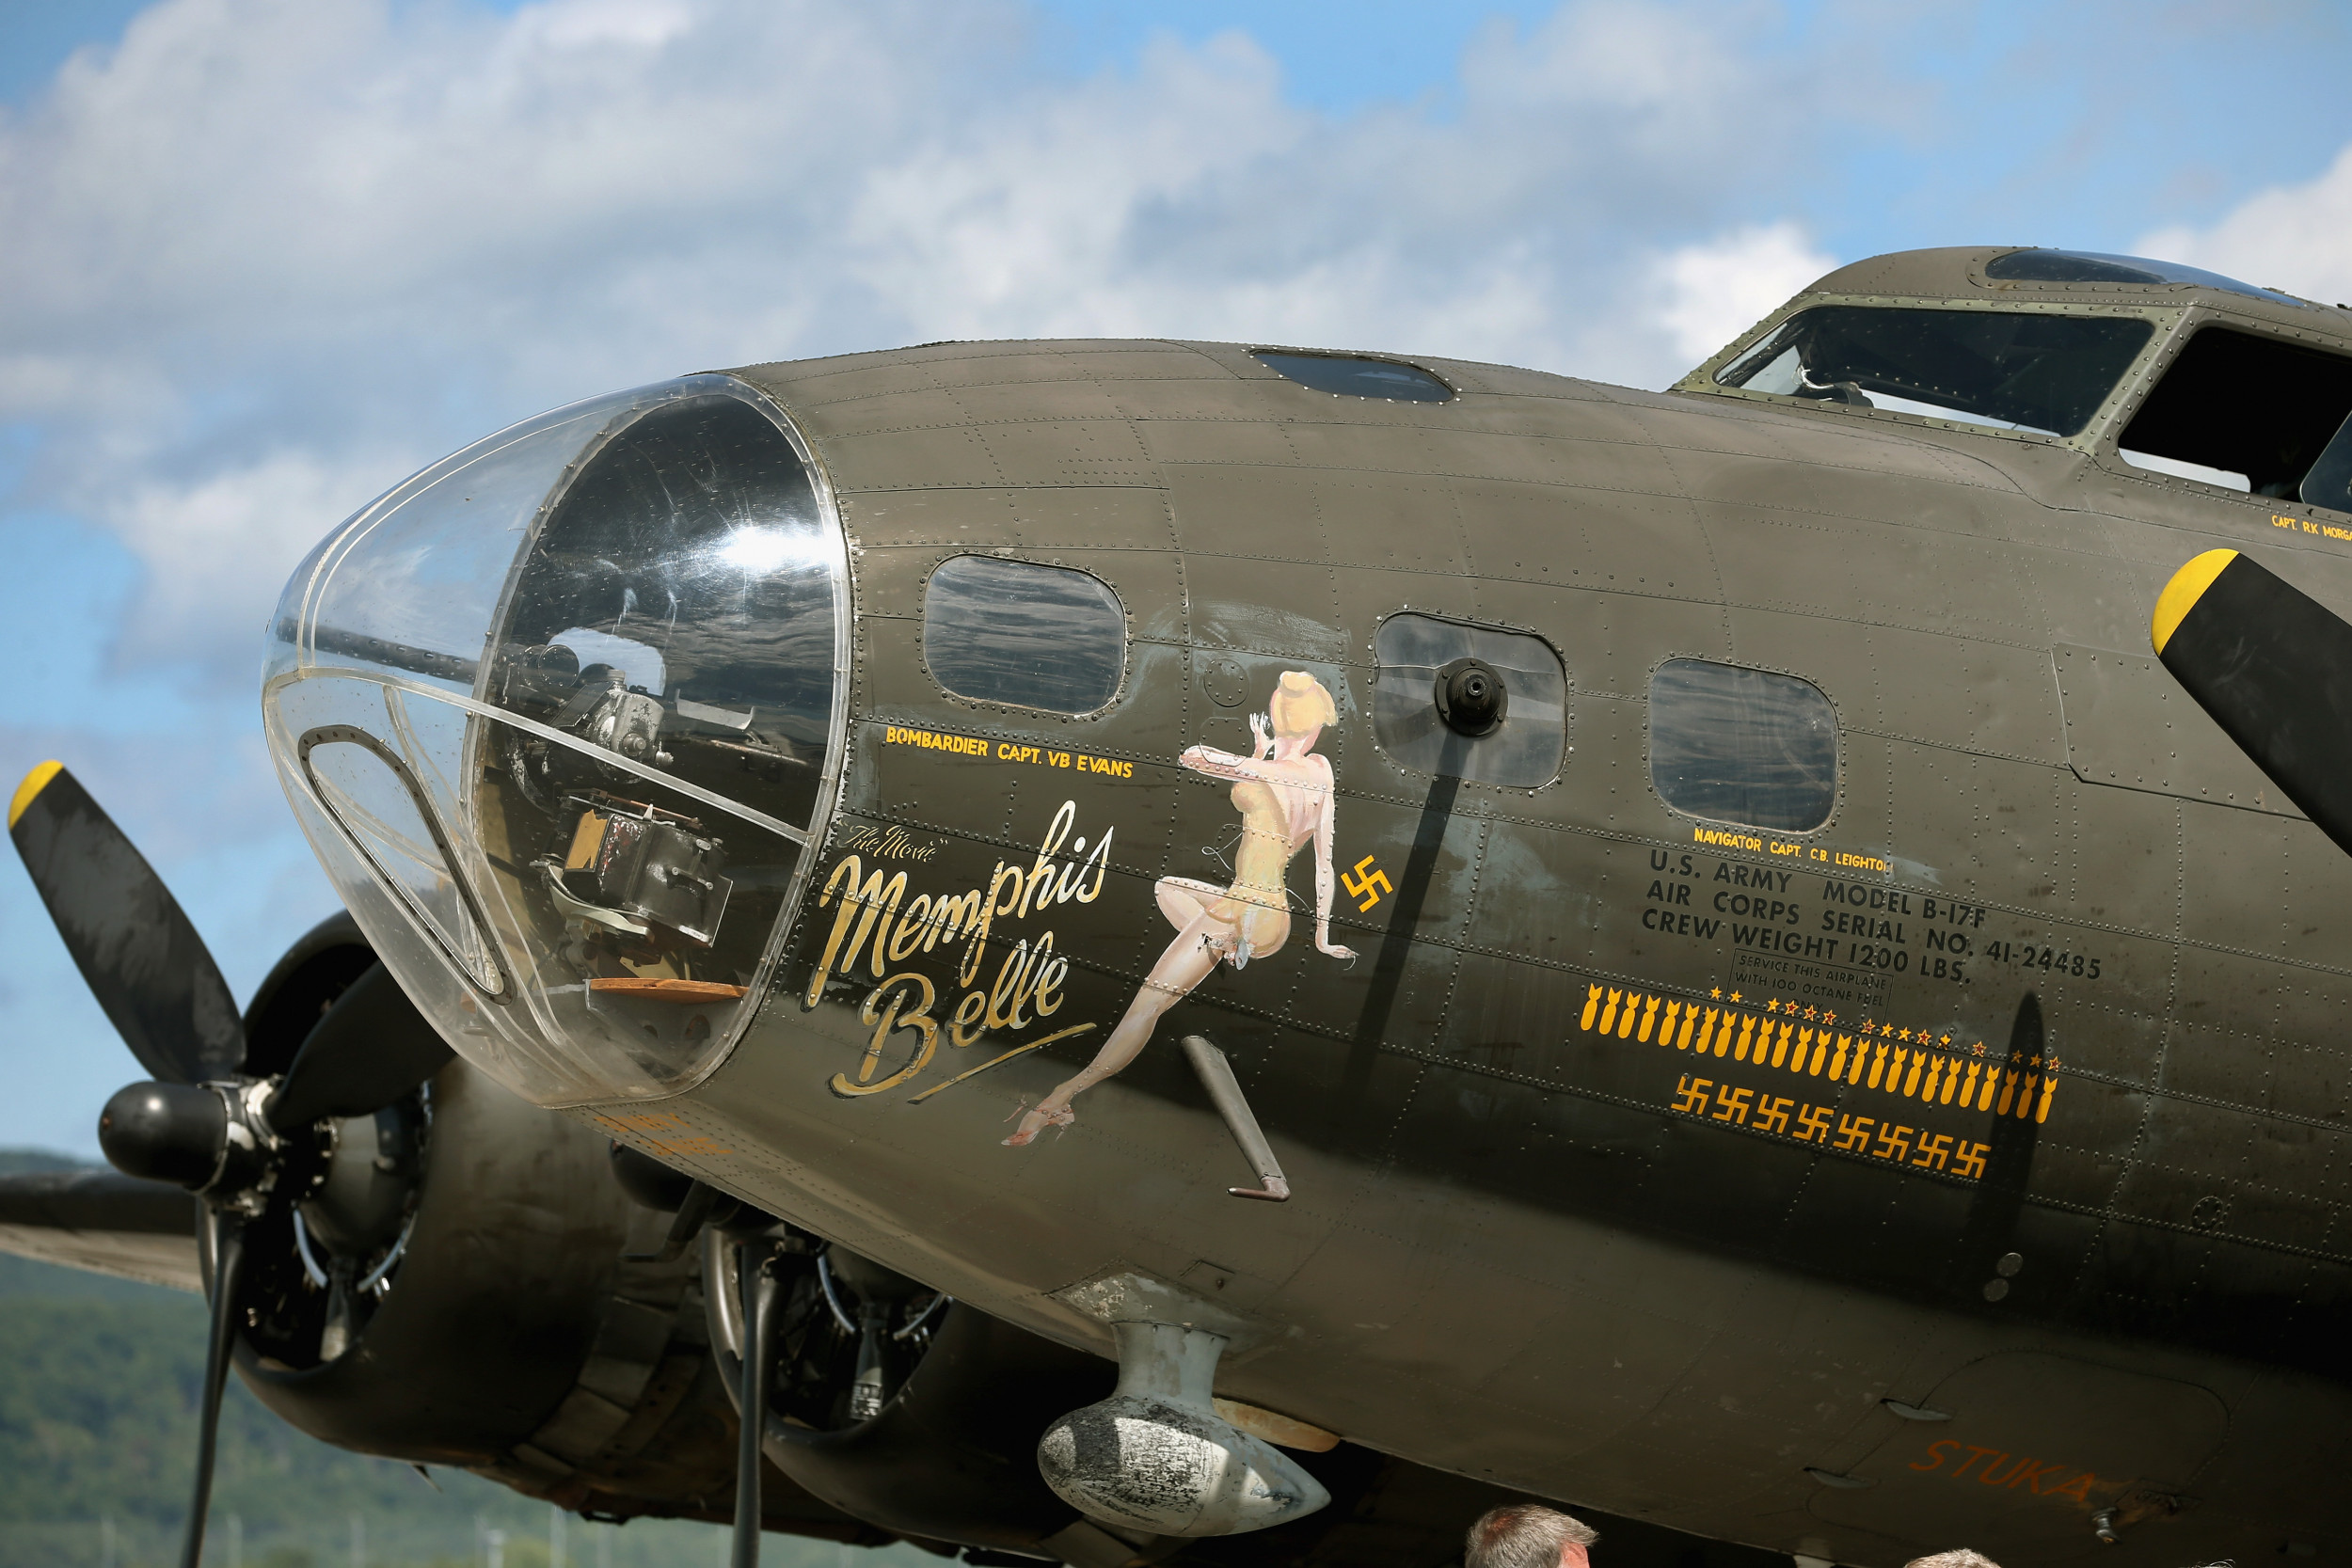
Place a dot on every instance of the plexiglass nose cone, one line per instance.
(558, 715)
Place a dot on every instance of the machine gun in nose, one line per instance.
(634, 868)
(382, 651)
(597, 702)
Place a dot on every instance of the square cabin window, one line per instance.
(1746, 746)
(1025, 635)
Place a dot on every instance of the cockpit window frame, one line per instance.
(2106, 420)
(2176, 320)
(2158, 362)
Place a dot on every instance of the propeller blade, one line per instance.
(2274, 668)
(372, 1047)
(762, 1295)
(144, 961)
(227, 1273)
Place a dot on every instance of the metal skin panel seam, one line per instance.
(1800, 439)
(1472, 580)
(856, 486)
(1817, 515)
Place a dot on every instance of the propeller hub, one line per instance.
(209, 1138)
(176, 1133)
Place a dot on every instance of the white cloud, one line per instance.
(2298, 238)
(265, 247)
(220, 547)
(1718, 288)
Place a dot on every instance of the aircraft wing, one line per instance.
(104, 1222)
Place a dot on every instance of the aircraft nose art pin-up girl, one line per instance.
(1284, 792)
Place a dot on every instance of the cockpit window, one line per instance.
(1025, 635)
(2098, 266)
(2252, 414)
(2011, 369)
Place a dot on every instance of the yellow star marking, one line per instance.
(1735, 996)
(1945, 1041)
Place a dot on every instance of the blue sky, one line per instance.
(263, 257)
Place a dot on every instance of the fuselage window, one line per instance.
(2099, 266)
(1745, 746)
(2251, 414)
(1026, 635)
(1345, 376)
(2008, 369)
(1416, 653)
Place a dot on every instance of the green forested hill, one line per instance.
(99, 1380)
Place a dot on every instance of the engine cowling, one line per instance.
(446, 1282)
(950, 1453)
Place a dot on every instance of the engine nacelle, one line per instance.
(947, 1450)
(506, 1275)
(447, 1282)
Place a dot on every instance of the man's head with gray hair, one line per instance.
(1527, 1535)
(1958, 1557)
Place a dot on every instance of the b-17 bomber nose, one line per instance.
(558, 713)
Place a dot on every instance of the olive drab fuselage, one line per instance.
(1965, 1165)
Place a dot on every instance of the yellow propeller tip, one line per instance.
(2181, 595)
(35, 781)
